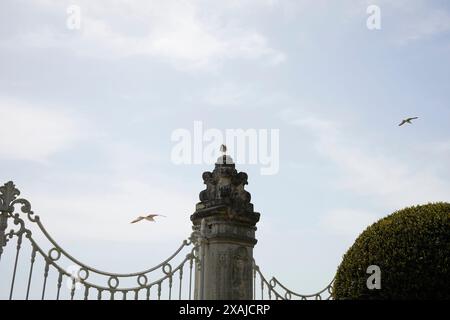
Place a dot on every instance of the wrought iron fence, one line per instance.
(170, 279)
(173, 278)
(274, 290)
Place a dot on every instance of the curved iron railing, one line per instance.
(82, 276)
(162, 279)
(274, 290)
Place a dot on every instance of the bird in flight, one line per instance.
(408, 120)
(150, 217)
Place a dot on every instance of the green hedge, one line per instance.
(412, 249)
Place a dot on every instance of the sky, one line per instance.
(87, 118)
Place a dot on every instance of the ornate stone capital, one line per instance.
(225, 194)
(8, 193)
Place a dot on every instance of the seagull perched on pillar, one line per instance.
(150, 217)
(408, 120)
(223, 148)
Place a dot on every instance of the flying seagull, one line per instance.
(150, 217)
(408, 120)
(223, 148)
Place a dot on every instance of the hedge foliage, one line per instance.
(412, 249)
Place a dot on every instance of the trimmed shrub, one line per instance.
(412, 249)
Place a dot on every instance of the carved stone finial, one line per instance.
(226, 187)
(8, 193)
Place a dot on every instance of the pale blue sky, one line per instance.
(87, 117)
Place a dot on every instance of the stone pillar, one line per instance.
(226, 222)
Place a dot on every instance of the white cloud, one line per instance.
(226, 95)
(408, 21)
(189, 35)
(422, 23)
(392, 181)
(441, 147)
(347, 222)
(106, 214)
(31, 132)
(240, 95)
(125, 158)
